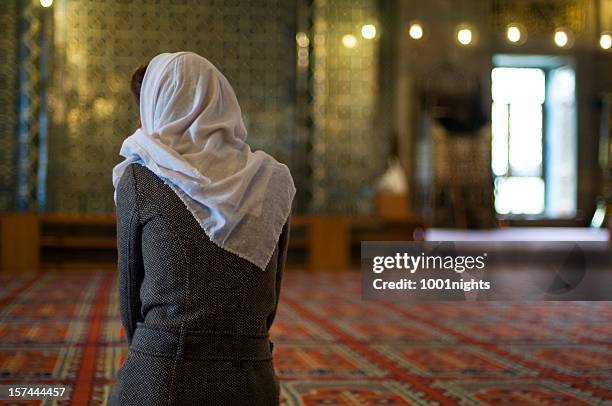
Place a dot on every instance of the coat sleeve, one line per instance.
(129, 262)
(283, 243)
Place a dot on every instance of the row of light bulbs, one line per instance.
(515, 34)
(466, 35)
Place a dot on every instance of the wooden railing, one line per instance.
(29, 242)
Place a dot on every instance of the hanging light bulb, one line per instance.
(562, 38)
(605, 40)
(349, 41)
(516, 34)
(415, 30)
(46, 3)
(465, 35)
(368, 31)
(302, 40)
(513, 33)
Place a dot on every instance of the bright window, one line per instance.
(517, 119)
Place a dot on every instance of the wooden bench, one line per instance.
(19, 242)
(29, 241)
(78, 241)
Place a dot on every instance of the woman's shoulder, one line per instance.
(149, 187)
(143, 177)
(126, 182)
(125, 193)
(137, 179)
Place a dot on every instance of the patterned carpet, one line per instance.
(331, 347)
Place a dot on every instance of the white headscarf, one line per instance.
(192, 136)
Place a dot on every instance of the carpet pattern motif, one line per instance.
(332, 348)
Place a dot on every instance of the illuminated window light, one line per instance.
(46, 3)
(349, 41)
(415, 31)
(368, 31)
(605, 41)
(465, 36)
(562, 39)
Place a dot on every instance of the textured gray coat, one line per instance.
(196, 316)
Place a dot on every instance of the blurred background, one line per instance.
(448, 120)
(395, 117)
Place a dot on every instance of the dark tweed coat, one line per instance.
(196, 316)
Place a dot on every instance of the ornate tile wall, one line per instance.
(8, 100)
(348, 152)
(65, 164)
(98, 44)
(32, 64)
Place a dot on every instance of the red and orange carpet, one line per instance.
(332, 348)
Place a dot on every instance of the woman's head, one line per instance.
(183, 93)
(136, 82)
